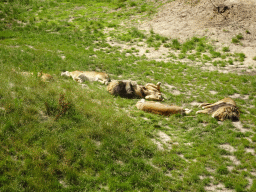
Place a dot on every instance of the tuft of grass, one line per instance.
(223, 170)
(239, 36)
(225, 49)
(235, 40)
(182, 56)
(240, 56)
(230, 61)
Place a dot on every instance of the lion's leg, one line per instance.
(101, 81)
(212, 105)
(205, 111)
(204, 104)
(187, 111)
(128, 87)
(153, 97)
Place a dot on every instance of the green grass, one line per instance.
(235, 40)
(225, 49)
(60, 136)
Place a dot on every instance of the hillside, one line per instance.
(65, 136)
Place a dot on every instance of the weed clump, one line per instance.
(237, 38)
(240, 56)
(57, 109)
(225, 49)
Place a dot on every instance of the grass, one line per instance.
(225, 49)
(58, 136)
(237, 38)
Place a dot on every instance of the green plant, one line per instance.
(206, 57)
(133, 4)
(240, 56)
(223, 170)
(235, 40)
(230, 61)
(59, 109)
(239, 36)
(225, 49)
(181, 56)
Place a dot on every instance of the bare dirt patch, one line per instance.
(172, 89)
(217, 188)
(165, 140)
(228, 147)
(234, 160)
(184, 19)
(239, 126)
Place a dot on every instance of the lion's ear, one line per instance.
(158, 85)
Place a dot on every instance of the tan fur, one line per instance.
(44, 76)
(130, 89)
(81, 76)
(159, 108)
(221, 110)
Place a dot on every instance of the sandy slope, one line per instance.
(186, 18)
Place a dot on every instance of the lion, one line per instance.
(81, 76)
(44, 76)
(161, 109)
(221, 110)
(130, 89)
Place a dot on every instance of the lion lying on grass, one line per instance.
(221, 110)
(131, 89)
(44, 76)
(81, 76)
(159, 108)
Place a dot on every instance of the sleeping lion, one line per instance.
(159, 108)
(81, 76)
(44, 76)
(130, 89)
(221, 110)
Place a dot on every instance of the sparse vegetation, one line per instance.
(235, 40)
(62, 136)
(225, 49)
(239, 36)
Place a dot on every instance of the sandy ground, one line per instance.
(183, 19)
